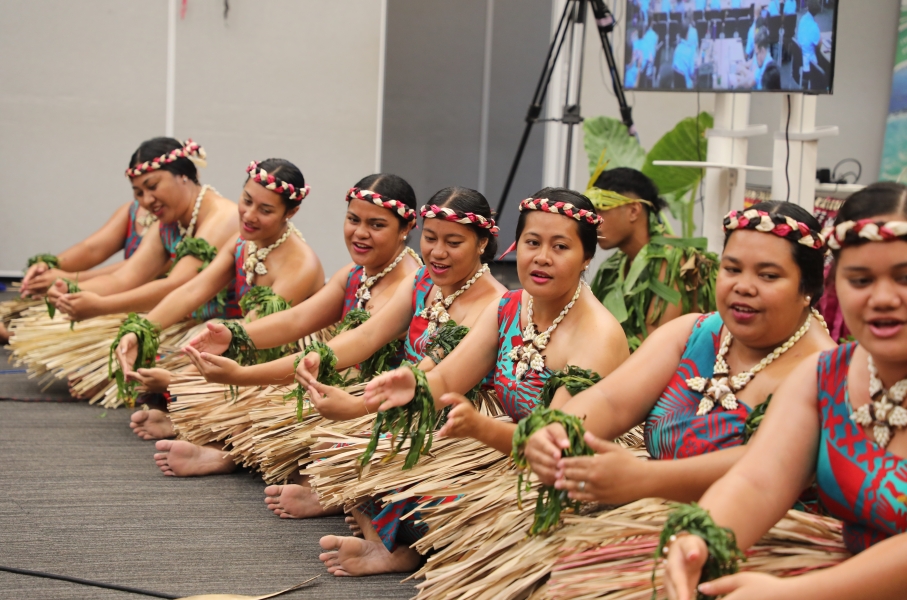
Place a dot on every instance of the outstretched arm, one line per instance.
(90, 252)
(760, 488)
(143, 266)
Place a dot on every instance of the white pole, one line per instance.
(382, 52)
(171, 69)
(486, 96)
(555, 140)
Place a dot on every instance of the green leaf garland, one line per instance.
(414, 421)
(148, 341)
(724, 554)
(572, 377)
(754, 420)
(71, 288)
(550, 502)
(263, 301)
(50, 260)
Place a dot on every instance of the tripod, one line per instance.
(572, 24)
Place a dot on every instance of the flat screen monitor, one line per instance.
(731, 45)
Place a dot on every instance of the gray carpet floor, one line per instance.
(81, 496)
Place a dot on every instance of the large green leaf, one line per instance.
(610, 135)
(686, 141)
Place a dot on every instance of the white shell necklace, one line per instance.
(188, 231)
(884, 409)
(146, 221)
(255, 257)
(364, 291)
(721, 388)
(529, 355)
(437, 312)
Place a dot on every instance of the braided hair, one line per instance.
(159, 146)
(588, 233)
(466, 200)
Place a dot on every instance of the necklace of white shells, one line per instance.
(255, 257)
(721, 388)
(884, 409)
(146, 220)
(529, 354)
(188, 231)
(364, 291)
(437, 312)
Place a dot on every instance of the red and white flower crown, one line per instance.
(431, 211)
(377, 199)
(269, 182)
(561, 208)
(190, 150)
(853, 232)
(780, 225)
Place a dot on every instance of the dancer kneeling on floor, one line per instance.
(165, 182)
(454, 285)
(553, 322)
(838, 418)
(701, 381)
(270, 253)
(381, 212)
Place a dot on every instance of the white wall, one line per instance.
(84, 84)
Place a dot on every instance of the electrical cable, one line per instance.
(834, 172)
(787, 140)
(109, 586)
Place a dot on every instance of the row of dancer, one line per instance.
(770, 277)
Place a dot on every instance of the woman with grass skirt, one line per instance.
(839, 419)
(554, 321)
(701, 382)
(653, 277)
(380, 215)
(270, 257)
(123, 231)
(381, 211)
(454, 287)
(193, 222)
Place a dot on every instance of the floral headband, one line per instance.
(780, 225)
(190, 150)
(851, 232)
(430, 211)
(606, 199)
(561, 208)
(269, 182)
(377, 199)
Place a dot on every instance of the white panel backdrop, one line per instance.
(84, 83)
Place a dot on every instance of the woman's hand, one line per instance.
(307, 371)
(686, 557)
(38, 279)
(214, 368)
(127, 351)
(543, 451)
(215, 339)
(394, 388)
(56, 291)
(462, 420)
(612, 476)
(81, 305)
(753, 586)
(154, 380)
(334, 403)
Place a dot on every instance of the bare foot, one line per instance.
(353, 556)
(182, 459)
(295, 501)
(152, 424)
(353, 524)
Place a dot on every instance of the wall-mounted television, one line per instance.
(731, 45)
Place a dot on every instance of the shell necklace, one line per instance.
(529, 354)
(188, 231)
(437, 312)
(884, 409)
(721, 388)
(255, 257)
(364, 291)
(146, 221)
